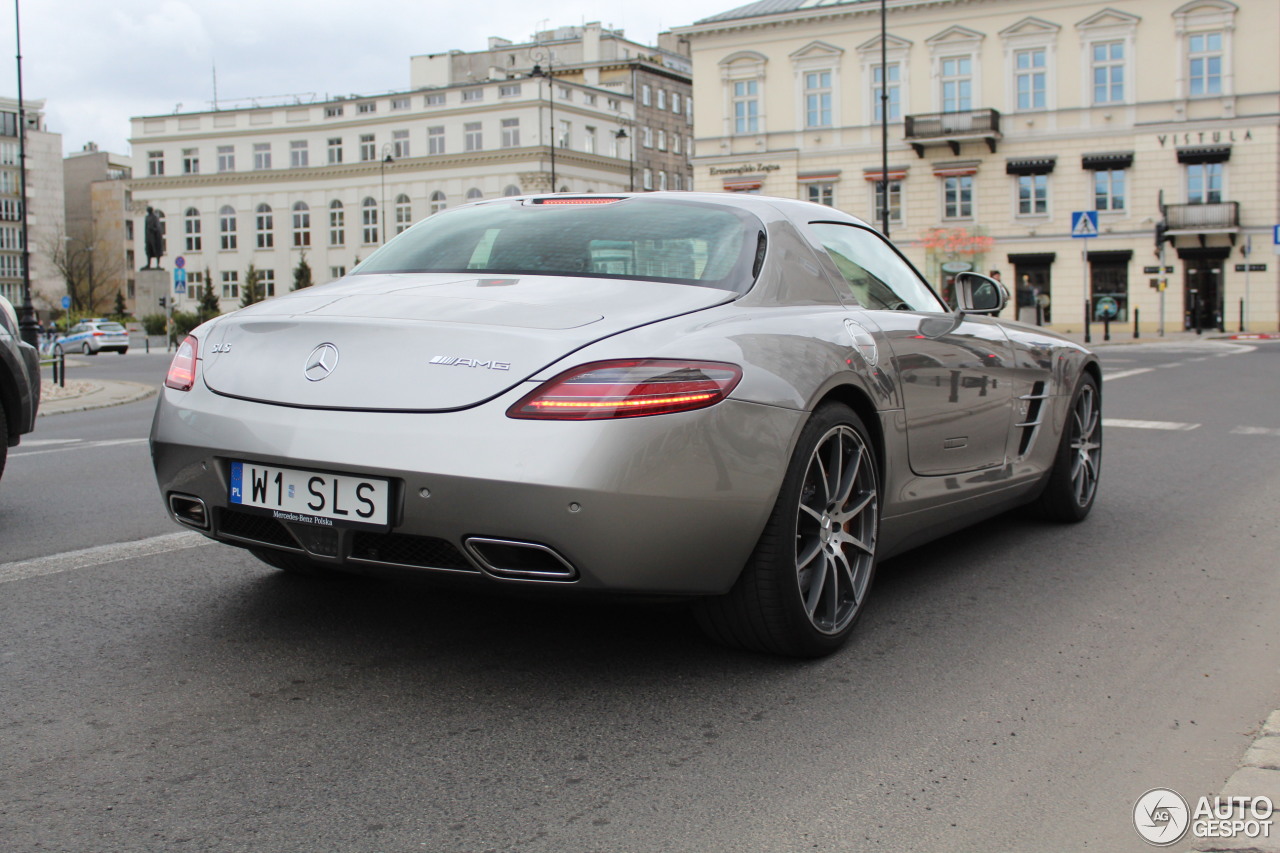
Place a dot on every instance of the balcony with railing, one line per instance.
(952, 129)
(1221, 217)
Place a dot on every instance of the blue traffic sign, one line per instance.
(179, 262)
(66, 302)
(1084, 223)
(180, 281)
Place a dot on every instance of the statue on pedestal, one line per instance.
(154, 238)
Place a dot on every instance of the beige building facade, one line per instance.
(1009, 119)
(98, 257)
(44, 206)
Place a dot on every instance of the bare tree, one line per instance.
(91, 268)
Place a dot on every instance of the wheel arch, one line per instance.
(857, 399)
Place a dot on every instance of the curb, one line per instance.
(102, 396)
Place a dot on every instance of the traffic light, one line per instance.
(1161, 227)
(163, 301)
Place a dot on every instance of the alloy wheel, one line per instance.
(1086, 445)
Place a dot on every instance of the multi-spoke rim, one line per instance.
(836, 529)
(1086, 445)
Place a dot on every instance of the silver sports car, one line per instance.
(745, 401)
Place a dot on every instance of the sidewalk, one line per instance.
(81, 395)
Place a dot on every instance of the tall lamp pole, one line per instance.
(884, 124)
(382, 168)
(631, 159)
(27, 325)
(537, 71)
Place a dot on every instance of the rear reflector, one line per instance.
(182, 370)
(629, 388)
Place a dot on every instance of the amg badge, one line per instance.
(454, 361)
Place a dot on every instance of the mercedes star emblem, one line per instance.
(321, 362)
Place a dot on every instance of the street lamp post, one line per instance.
(382, 168)
(537, 72)
(27, 325)
(631, 161)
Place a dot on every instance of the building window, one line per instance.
(399, 103)
(589, 140)
(472, 95)
(335, 150)
(511, 190)
(472, 138)
(510, 90)
(565, 130)
(824, 193)
(1033, 194)
(1204, 183)
(155, 163)
(264, 225)
(301, 225)
(227, 227)
(662, 176)
(895, 200)
(1108, 72)
(474, 194)
(957, 197)
(675, 143)
(333, 112)
(191, 225)
(337, 272)
(646, 95)
(1204, 69)
(337, 224)
(367, 107)
(230, 284)
(746, 106)
(892, 86)
(565, 93)
(613, 104)
(675, 103)
(190, 161)
(648, 179)
(817, 99)
(1029, 78)
(511, 133)
(399, 143)
(435, 140)
(298, 154)
(438, 201)
(662, 140)
(267, 282)
(646, 137)
(226, 158)
(436, 99)
(662, 99)
(368, 148)
(369, 221)
(404, 212)
(262, 155)
(1108, 189)
(957, 84)
(589, 99)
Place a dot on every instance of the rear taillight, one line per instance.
(629, 388)
(182, 370)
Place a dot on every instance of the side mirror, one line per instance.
(979, 294)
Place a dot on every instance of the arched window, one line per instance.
(474, 193)
(404, 212)
(301, 225)
(369, 220)
(337, 224)
(191, 225)
(227, 226)
(438, 201)
(264, 224)
(564, 189)
(511, 190)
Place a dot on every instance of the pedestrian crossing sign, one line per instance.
(1084, 223)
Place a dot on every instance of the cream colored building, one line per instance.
(1005, 118)
(332, 180)
(44, 210)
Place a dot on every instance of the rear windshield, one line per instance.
(683, 242)
(109, 327)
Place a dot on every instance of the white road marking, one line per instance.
(1248, 430)
(79, 445)
(101, 555)
(1165, 425)
(1123, 373)
(40, 442)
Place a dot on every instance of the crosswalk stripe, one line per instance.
(1132, 424)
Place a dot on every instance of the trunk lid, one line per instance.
(424, 342)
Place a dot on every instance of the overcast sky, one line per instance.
(98, 63)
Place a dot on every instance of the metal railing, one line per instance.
(941, 125)
(1190, 217)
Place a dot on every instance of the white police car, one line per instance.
(92, 337)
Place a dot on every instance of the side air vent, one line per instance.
(1030, 425)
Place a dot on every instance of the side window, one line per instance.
(876, 275)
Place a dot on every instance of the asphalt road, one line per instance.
(1013, 687)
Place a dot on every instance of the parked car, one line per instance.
(745, 401)
(92, 337)
(19, 383)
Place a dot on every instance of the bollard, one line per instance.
(1106, 328)
(62, 369)
(148, 340)
(1087, 337)
(1135, 323)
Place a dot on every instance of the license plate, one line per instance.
(311, 497)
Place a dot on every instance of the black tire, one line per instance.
(123, 351)
(84, 348)
(4, 438)
(1073, 481)
(294, 564)
(806, 583)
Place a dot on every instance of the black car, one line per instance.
(19, 383)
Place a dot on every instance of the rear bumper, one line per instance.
(666, 504)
